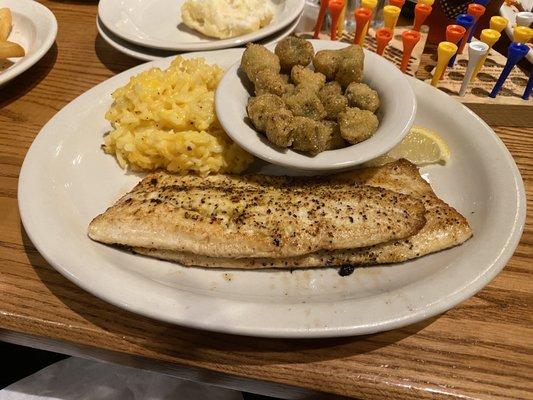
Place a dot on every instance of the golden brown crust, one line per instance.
(445, 228)
(256, 215)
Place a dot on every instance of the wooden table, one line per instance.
(480, 349)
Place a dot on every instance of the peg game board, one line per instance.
(393, 52)
(507, 108)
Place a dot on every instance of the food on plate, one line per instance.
(6, 22)
(8, 49)
(166, 119)
(268, 81)
(226, 18)
(333, 100)
(256, 58)
(256, 215)
(309, 135)
(336, 141)
(443, 226)
(362, 96)
(261, 106)
(344, 65)
(357, 125)
(294, 51)
(421, 146)
(302, 108)
(304, 77)
(304, 102)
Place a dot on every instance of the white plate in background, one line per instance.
(157, 24)
(34, 28)
(57, 203)
(150, 54)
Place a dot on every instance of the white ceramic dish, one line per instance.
(149, 54)
(34, 28)
(58, 202)
(157, 24)
(396, 115)
(510, 13)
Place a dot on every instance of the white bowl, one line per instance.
(396, 115)
(35, 29)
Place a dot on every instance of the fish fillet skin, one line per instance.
(444, 228)
(255, 215)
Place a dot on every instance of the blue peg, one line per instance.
(466, 21)
(529, 86)
(482, 2)
(515, 53)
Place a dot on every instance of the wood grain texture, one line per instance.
(481, 349)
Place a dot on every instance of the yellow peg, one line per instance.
(371, 5)
(445, 51)
(522, 34)
(498, 23)
(426, 2)
(390, 16)
(489, 36)
(340, 25)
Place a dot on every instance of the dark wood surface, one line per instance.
(481, 349)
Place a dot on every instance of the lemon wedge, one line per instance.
(421, 146)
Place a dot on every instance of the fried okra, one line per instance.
(294, 51)
(360, 95)
(326, 62)
(269, 81)
(357, 125)
(278, 128)
(302, 76)
(335, 141)
(261, 106)
(309, 135)
(256, 58)
(304, 102)
(343, 65)
(332, 99)
(350, 65)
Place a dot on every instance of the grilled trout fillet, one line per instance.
(444, 228)
(256, 216)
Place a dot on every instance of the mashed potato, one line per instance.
(166, 119)
(226, 18)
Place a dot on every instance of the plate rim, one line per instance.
(28, 61)
(444, 303)
(215, 44)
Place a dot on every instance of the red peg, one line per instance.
(454, 34)
(422, 11)
(397, 3)
(476, 10)
(409, 40)
(335, 9)
(320, 19)
(362, 16)
(383, 37)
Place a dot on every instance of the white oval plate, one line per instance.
(396, 115)
(157, 24)
(80, 181)
(149, 54)
(34, 28)
(510, 13)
